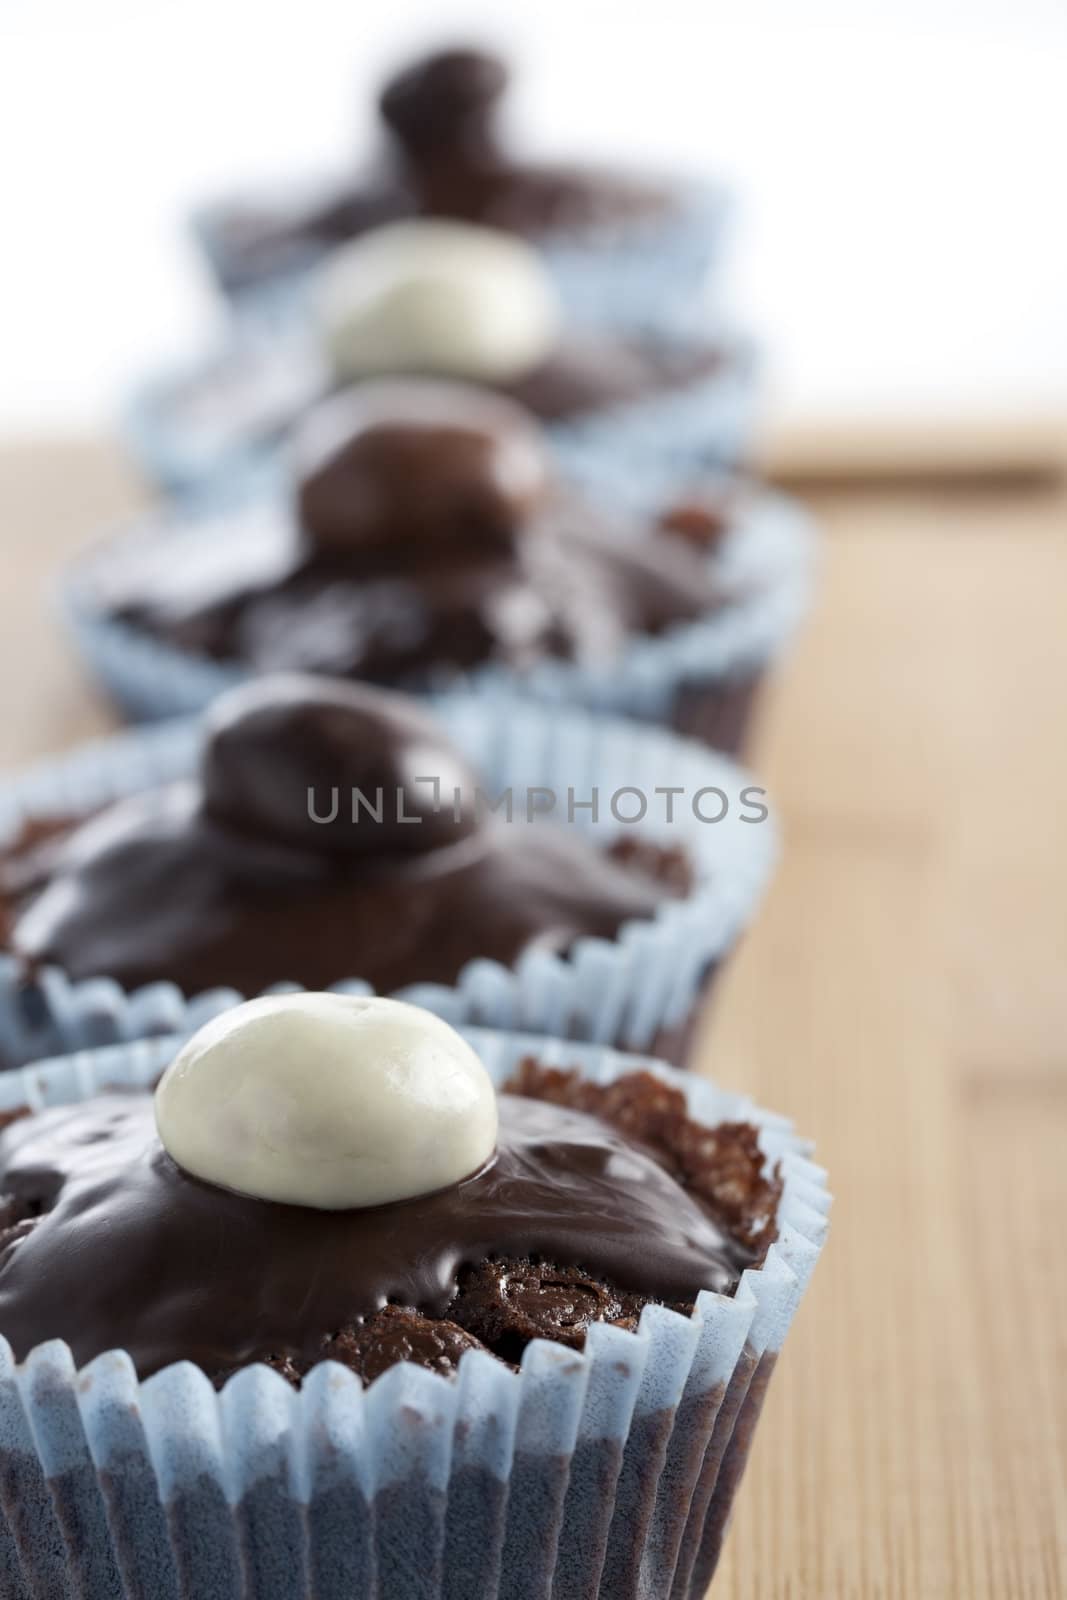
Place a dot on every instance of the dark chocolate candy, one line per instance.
(394, 463)
(284, 758)
(442, 106)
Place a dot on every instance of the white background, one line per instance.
(903, 167)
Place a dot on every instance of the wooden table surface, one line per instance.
(903, 997)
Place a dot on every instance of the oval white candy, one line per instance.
(441, 298)
(325, 1100)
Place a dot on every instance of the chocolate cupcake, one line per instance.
(498, 863)
(520, 1318)
(424, 536)
(621, 249)
(451, 300)
(424, 539)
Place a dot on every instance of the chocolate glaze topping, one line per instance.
(114, 1246)
(228, 879)
(427, 540)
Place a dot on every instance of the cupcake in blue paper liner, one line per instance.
(624, 251)
(425, 539)
(448, 300)
(360, 1305)
(499, 863)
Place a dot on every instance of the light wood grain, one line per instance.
(903, 997)
(901, 449)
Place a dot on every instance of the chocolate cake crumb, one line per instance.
(370, 1347)
(399, 1333)
(508, 1303)
(722, 1165)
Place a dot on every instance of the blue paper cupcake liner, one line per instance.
(651, 273)
(632, 991)
(187, 431)
(766, 562)
(607, 1473)
(633, 274)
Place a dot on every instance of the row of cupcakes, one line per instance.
(431, 1293)
(534, 1371)
(428, 471)
(426, 537)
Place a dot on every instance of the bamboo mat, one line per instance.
(904, 997)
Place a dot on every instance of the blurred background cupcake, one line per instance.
(497, 862)
(427, 538)
(624, 249)
(458, 301)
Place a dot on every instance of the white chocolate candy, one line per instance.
(326, 1100)
(446, 299)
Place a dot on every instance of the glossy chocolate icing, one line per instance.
(128, 1251)
(227, 879)
(397, 575)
